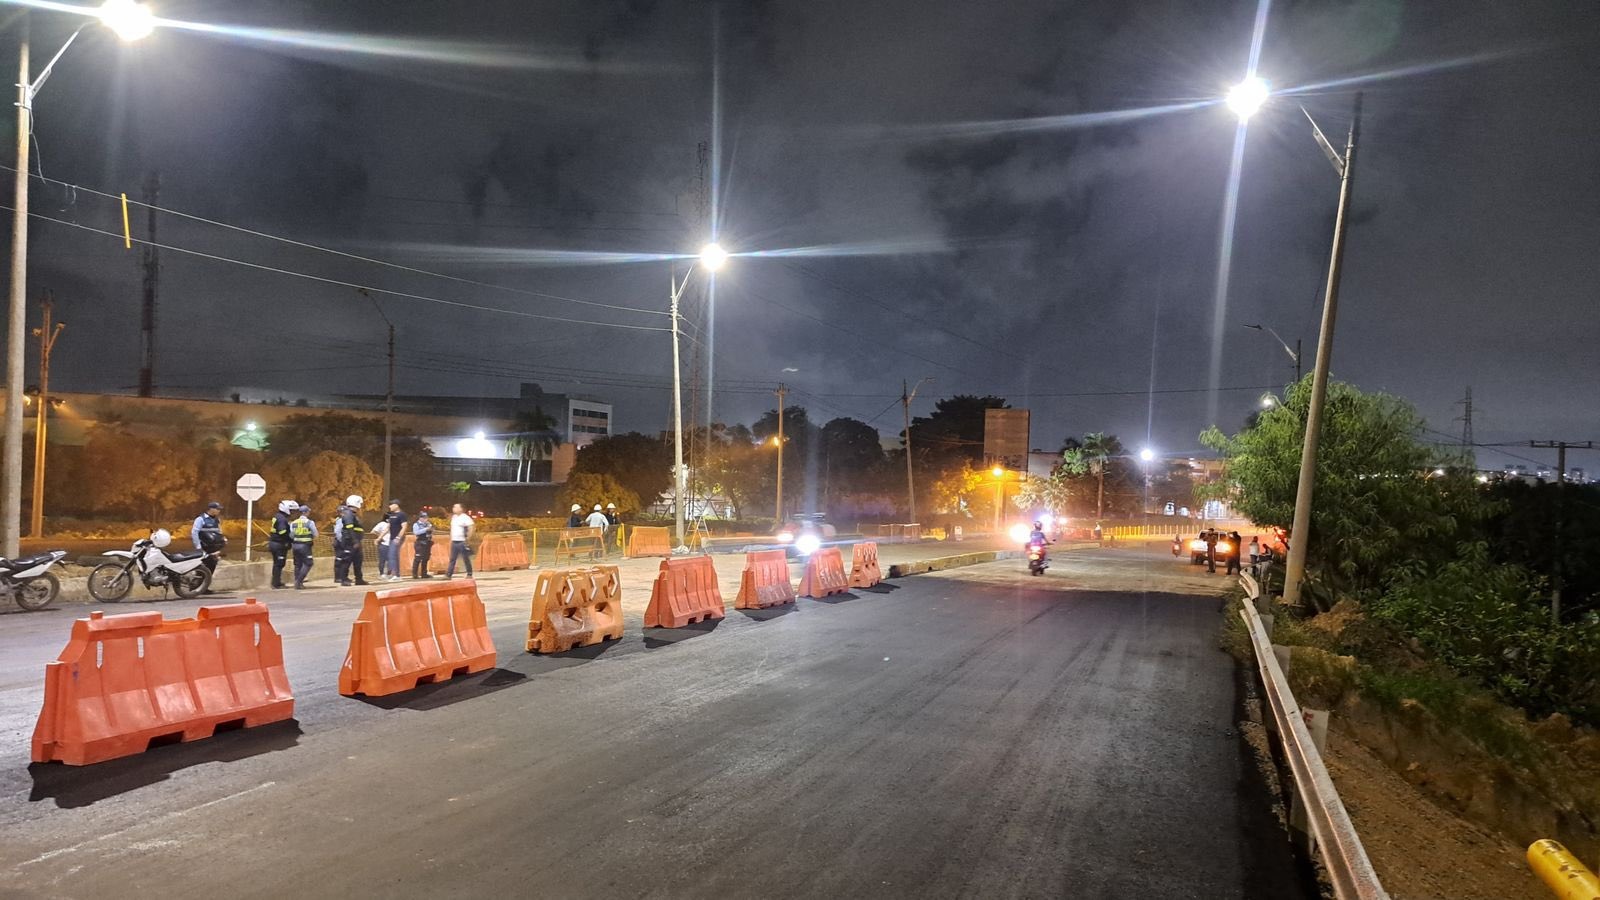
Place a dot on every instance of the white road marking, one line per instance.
(51, 854)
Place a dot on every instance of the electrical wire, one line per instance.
(353, 256)
(340, 283)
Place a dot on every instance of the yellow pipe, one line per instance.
(1561, 872)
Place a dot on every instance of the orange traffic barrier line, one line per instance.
(765, 581)
(685, 591)
(416, 635)
(647, 540)
(502, 551)
(125, 681)
(824, 574)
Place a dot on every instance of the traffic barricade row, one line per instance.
(575, 608)
(501, 552)
(126, 681)
(580, 543)
(649, 541)
(824, 574)
(416, 635)
(765, 581)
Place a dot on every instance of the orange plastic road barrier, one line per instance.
(572, 543)
(416, 635)
(648, 541)
(126, 681)
(685, 591)
(765, 581)
(864, 571)
(498, 552)
(824, 574)
(575, 608)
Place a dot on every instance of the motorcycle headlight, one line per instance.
(807, 544)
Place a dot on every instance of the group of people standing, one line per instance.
(603, 519)
(293, 534)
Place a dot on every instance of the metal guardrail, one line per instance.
(1342, 854)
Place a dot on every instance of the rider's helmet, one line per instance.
(289, 506)
(1038, 526)
(161, 538)
(353, 501)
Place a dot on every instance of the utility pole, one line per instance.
(152, 275)
(906, 396)
(47, 334)
(1561, 516)
(1300, 533)
(17, 323)
(782, 392)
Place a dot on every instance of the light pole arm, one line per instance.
(50, 66)
(1293, 356)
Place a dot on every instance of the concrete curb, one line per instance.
(941, 563)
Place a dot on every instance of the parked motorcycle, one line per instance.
(185, 572)
(29, 580)
(1038, 558)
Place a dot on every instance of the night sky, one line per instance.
(967, 218)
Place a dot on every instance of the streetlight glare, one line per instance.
(1247, 96)
(997, 471)
(1147, 454)
(129, 19)
(712, 256)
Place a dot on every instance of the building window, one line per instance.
(591, 413)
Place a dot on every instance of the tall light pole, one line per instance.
(999, 474)
(906, 396)
(1293, 354)
(777, 506)
(131, 21)
(47, 334)
(1300, 533)
(711, 257)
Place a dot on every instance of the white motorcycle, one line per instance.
(28, 580)
(184, 572)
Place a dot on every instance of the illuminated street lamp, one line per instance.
(130, 21)
(712, 257)
(1147, 455)
(1244, 100)
(999, 473)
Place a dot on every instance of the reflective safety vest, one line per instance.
(301, 530)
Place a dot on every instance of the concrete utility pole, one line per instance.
(47, 334)
(16, 329)
(1561, 515)
(778, 514)
(906, 396)
(1300, 534)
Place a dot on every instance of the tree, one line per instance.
(322, 480)
(1378, 506)
(800, 436)
(853, 454)
(533, 437)
(953, 431)
(1055, 493)
(305, 434)
(588, 489)
(130, 475)
(640, 463)
(1100, 448)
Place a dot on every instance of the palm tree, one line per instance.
(533, 437)
(1099, 449)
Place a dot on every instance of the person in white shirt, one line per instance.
(381, 532)
(597, 519)
(461, 526)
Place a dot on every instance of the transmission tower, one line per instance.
(1466, 420)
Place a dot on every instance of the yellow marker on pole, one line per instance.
(127, 236)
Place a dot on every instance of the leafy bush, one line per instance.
(1490, 622)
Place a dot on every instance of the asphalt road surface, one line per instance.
(978, 733)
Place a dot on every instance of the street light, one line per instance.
(1344, 166)
(1268, 401)
(1147, 455)
(1248, 96)
(712, 257)
(1293, 354)
(130, 21)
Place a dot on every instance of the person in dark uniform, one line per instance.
(302, 532)
(422, 545)
(1211, 550)
(207, 536)
(350, 536)
(278, 540)
(575, 517)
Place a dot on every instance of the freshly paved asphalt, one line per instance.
(979, 733)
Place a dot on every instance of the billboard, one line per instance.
(1005, 437)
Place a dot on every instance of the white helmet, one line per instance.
(161, 537)
(289, 506)
(353, 501)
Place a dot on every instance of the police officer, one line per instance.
(1210, 538)
(422, 545)
(278, 540)
(350, 534)
(207, 537)
(302, 531)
